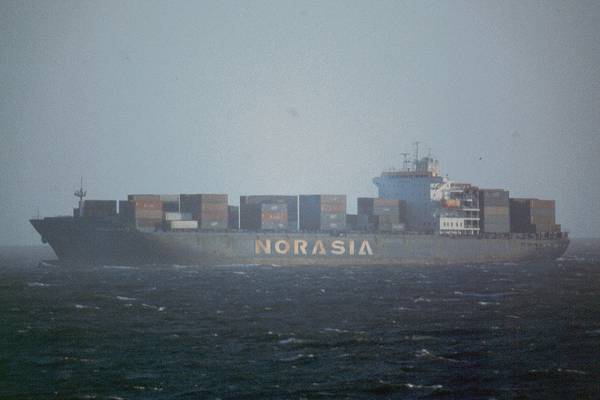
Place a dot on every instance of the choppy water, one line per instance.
(246, 332)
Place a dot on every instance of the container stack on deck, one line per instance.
(264, 216)
(178, 220)
(170, 202)
(383, 215)
(322, 212)
(141, 211)
(494, 211)
(533, 216)
(250, 208)
(233, 217)
(210, 210)
(99, 208)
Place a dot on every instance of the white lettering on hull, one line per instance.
(301, 247)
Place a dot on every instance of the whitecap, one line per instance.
(296, 357)
(487, 303)
(336, 330)
(418, 337)
(573, 371)
(423, 353)
(153, 307)
(82, 307)
(291, 340)
(38, 284)
(123, 298)
(422, 299)
(54, 263)
(119, 267)
(414, 386)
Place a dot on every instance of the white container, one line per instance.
(177, 216)
(183, 224)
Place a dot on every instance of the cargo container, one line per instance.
(176, 216)
(494, 211)
(143, 197)
(367, 223)
(383, 215)
(210, 210)
(141, 212)
(322, 212)
(233, 217)
(494, 197)
(532, 216)
(170, 202)
(377, 206)
(274, 216)
(351, 222)
(99, 208)
(182, 224)
(290, 201)
(264, 216)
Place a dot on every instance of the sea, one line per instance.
(496, 331)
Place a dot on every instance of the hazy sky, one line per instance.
(295, 97)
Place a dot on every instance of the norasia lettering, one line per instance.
(300, 247)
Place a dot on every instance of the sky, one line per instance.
(295, 97)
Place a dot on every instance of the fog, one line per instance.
(295, 98)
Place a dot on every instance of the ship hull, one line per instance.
(80, 241)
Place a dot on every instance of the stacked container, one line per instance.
(182, 225)
(494, 211)
(176, 216)
(532, 216)
(170, 202)
(385, 215)
(351, 222)
(264, 216)
(142, 212)
(248, 209)
(99, 208)
(321, 212)
(210, 210)
(233, 217)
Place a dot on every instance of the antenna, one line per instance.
(80, 193)
(405, 163)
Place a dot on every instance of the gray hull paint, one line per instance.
(77, 240)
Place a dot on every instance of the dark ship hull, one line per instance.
(105, 241)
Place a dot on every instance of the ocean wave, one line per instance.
(297, 357)
(335, 330)
(38, 284)
(424, 353)
(422, 299)
(123, 298)
(557, 370)
(125, 267)
(157, 308)
(291, 340)
(415, 386)
(488, 303)
(84, 307)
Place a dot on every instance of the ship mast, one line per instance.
(80, 194)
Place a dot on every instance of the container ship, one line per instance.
(418, 218)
